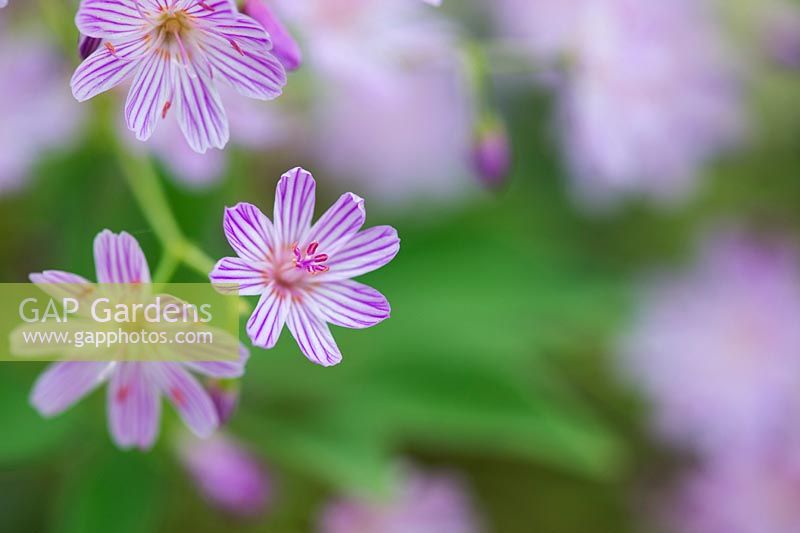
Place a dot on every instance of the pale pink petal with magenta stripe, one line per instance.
(265, 324)
(63, 384)
(134, 406)
(199, 109)
(284, 46)
(190, 399)
(210, 11)
(339, 223)
(114, 20)
(250, 233)
(253, 74)
(368, 250)
(234, 274)
(106, 68)
(294, 205)
(246, 33)
(350, 304)
(313, 336)
(148, 95)
(222, 369)
(119, 259)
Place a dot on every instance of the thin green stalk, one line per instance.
(166, 267)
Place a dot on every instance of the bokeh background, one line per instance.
(595, 309)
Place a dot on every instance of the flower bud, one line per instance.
(228, 476)
(491, 153)
(225, 395)
(284, 45)
(87, 45)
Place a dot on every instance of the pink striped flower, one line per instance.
(303, 272)
(135, 388)
(174, 49)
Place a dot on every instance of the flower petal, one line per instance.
(313, 336)
(367, 251)
(210, 12)
(200, 113)
(350, 304)
(250, 233)
(110, 19)
(247, 276)
(148, 95)
(222, 369)
(245, 32)
(266, 323)
(59, 284)
(190, 399)
(284, 46)
(255, 74)
(294, 205)
(106, 68)
(63, 384)
(134, 406)
(339, 223)
(119, 259)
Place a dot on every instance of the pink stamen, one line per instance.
(310, 261)
(205, 6)
(122, 394)
(236, 46)
(178, 396)
(111, 48)
(167, 105)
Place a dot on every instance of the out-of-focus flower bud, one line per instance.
(284, 45)
(87, 45)
(782, 39)
(225, 395)
(228, 476)
(491, 153)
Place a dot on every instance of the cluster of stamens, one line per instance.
(311, 261)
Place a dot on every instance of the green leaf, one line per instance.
(111, 492)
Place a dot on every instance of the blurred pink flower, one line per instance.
(175, 51)
(423, 503)
(301, 272)
(3, 3)
(717, 348)
(392, 113)
(746, 495)
(649, 93)
(227, 474)
(37, 114)
(135, 388)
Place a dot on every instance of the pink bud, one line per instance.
(226, 473)
(284, 45)
(492, 154)
(225, 395)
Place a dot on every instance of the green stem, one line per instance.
(166, 267)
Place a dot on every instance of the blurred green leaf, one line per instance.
(27, 435)
(110, 492)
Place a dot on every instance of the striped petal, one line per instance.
(248, 277)
(63, 384)
(222, 369)
(209, 12)
(60, 284)
(249, 232)
(244, 32)
(266, 323)
(313, 336)
(199, 109)
(190, 399)
(294, 205)
(119, 259)
(256, 74)
(106, 68)
(148, 95)
(134, 406)
(339, 223)
(368, 250)
(114, 20)
(350, 304)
